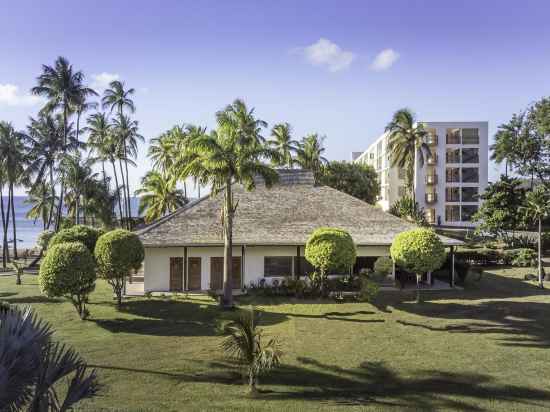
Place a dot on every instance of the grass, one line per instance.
(484, 348)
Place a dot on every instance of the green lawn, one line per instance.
(485, 348)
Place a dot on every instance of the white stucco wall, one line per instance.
(157, 262)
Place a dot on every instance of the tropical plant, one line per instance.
(245, 344)
(232, 154)
(44, 239)
(33, 366)
(419, 251)
(41, 203)
(506, 139)
(309, 154)
(68, 270)
(283, 145)
(64, 88)
(383, 266)
(355, 179)
(537, 208)
(406, 144)
(5, 219)
(86, 235)
(99, 130)
(18, 267)
(159, 196)
(117, 253)
(407, 208)
(330, 249)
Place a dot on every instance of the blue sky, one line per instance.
(339, 68)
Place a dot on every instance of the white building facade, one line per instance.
(449, 183)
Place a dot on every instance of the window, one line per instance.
(467, 212)
(277, 266)
(469, 194)
(302, 266)
(430, 215)
(470, 136)
(470, 155)
(452, 175)
(452, 155)
(452, 213)
(363, 262)
(470, 175)
(452, 194)
(453, 136)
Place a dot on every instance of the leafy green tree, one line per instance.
(406, 143)
(309, 154)
(234, 153)
(283, 145)
(86, 235)
(355, 179)
(330, 249)
(498, 213)
(419, 251)
(99, 129)
(537, 208)
(159, 196)
(33, 367)
(245, 344)
(407, 208)
(117, 253)
(506, 139)
(68, 269)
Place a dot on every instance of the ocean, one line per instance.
(27, 229)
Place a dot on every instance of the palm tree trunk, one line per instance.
(52, 206)
(104, 175)
(123, 181)
(62, 188)
(13, 221)
(185, 189)
(227, 300)
(6, 226)
(4, 240)
(127, 188)
(117, 191)
(506, 167)
(539, 260)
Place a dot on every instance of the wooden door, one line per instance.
(176, 274)
(194, 275)
(216, 272)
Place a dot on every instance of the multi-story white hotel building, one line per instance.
(448, 184)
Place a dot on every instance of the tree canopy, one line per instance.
(355, 179)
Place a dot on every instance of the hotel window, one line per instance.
(452, 175)
(452, 194)
(469, 194)
(470, 155)
(452, 213)
(452, 155)
(470, 136)
(277, 266)
(467, 212)
(430, 215)
(453, 136)
(470, 175)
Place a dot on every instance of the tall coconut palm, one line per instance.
(285, 148)
(406, 143)
(78, 176)
(159, 196)
(230, 155)
(506, 139)
(242, 122)
(537, 208)
(64, 88)
(310, 153)
(80, 107)
(99, 129)
(245, 344)
(5, 218)
(42, 204)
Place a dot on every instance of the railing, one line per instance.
(431, 197)
(431, 179)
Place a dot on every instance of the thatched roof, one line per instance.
(284, 214)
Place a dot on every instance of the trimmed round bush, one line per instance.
(117, 253)
(44, 239)
(418, 250)
(383, 265)
(330, 249)
(79, 233)
(68, 270)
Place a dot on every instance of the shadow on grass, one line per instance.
(370, 383)
(24, 300)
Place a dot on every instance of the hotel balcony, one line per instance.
(431, 179)
(432, 159)
(431, 140)
(431, 197)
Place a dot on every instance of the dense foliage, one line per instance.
(117, 253)
(68, 270)
(355, 179)
(86, 235)
(407, 208)
(418, 250)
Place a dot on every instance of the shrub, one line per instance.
(406, 208)
(78, 233)
(369, 289)
(44, 239)
(383, 266)
(330, 249)
(68, 269)
(117, 253)
(521, 242)
(524, 258)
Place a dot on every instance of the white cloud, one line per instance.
(11, 96)
(101, 81)
(325, 53)
(384, 60)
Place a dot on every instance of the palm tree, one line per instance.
(42, 204)
(78, 177)
(283, 145)
(33, 367)
(505, 140)
(537, 208)
(242, 122)
(116, 97)
(244, 343)
(5, 218)
(159, 196)
(99, 130)
(222, 158)
(406, 143)
(310, 151)
(64, 88)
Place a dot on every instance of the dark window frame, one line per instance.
(277, 273)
